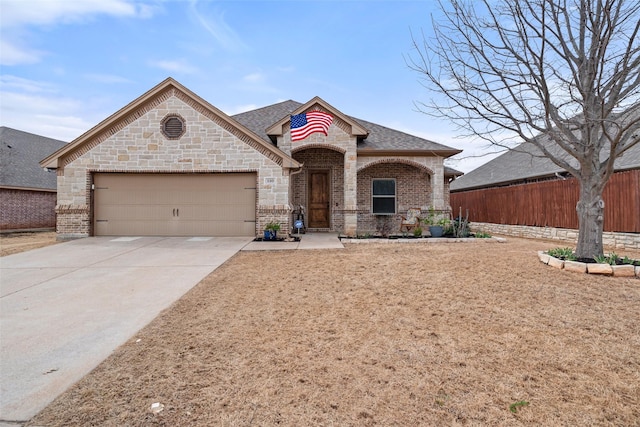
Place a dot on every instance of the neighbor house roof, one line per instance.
(373, 138)
(20, 153)
(526, 162)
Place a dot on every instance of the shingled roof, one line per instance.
(380, 138)
(20, 153)
(526, 163)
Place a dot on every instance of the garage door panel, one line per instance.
(175, 205)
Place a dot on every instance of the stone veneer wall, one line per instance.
(139, 146)
(27, 209)
(610, 239)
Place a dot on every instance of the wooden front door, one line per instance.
(318, 211)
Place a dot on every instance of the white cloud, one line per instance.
(237, 109)
(179, 66)
(9, 82)
(18, 13)
(214, 23)
(254, 78)
(13, 54)
(52, 116)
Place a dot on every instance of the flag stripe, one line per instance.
(303, 125)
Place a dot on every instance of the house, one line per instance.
(170, 163)
(27, 191)
(523, 187)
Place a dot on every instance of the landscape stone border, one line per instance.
(590, 268)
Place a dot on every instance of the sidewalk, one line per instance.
(307, 241)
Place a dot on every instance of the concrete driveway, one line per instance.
(65, 308)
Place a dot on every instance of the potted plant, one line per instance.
(436, 225)
(271, 231)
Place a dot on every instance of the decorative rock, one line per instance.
(578, 267)
(556, 262)
(638, 271)
(544, 258)
(624, 270)
(599, 269)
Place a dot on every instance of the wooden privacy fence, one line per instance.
(553, 203)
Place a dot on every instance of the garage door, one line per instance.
(174, 204)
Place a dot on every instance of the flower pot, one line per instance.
(436, 230)
(270, 235)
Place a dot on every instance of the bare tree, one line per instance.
(568, 70)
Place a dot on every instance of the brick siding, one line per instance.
(24, 209)
(413, 190)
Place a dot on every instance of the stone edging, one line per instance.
(427, 240)
(582, 267)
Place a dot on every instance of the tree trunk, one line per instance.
(590, 210)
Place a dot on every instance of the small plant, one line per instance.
(607, 259)
(627, 260)
(562, 253)
(383, 225)
(514, 406)
(482, 235)
(272, 226)
(417, 232)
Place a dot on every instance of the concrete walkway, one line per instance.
(66, 307)
(318, 240)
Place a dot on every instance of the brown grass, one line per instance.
(13, 243)
(449, 334)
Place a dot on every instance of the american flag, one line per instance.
(303, 125)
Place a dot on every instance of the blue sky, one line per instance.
(68, 64)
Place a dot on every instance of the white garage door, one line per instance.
(174, 204)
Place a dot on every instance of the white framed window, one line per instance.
(383, 192)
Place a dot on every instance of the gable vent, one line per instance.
(173, 126)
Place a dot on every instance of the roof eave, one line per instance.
(399, 152)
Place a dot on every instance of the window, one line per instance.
(384, 196)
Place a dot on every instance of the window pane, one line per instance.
(384, 187)
(384, 205)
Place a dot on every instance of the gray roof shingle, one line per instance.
(526, 162)
(379, 138)
(20, 153)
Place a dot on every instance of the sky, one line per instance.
(66, 65)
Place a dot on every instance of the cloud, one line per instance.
(49, 115)
(179, 66)
(9, 82)
(19, 13)
(214, 23)
(254, 78)
(237, 109)
(13, 54)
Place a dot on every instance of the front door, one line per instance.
(318, 199)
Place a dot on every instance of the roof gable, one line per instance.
(378, 140)
(20, 154)
(346, 123)
(147, 102)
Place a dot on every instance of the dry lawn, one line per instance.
(12, 243)
(389, 335)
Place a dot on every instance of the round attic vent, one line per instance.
(173, 126)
